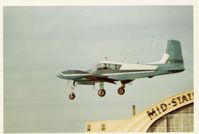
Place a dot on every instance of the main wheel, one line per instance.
(101, 92)
(72, 96)
(121, 91)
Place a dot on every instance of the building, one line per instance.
(174, 114)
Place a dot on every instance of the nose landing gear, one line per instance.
(72, 94)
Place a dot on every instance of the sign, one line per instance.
(173, 102)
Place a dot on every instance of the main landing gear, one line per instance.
(121, 90)
(101, 91)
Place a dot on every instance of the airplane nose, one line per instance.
(58, 75)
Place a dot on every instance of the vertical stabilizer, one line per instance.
(173, 49)
(173, 56)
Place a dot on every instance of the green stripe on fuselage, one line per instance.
(117, 71)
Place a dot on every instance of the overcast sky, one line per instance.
(39, 42)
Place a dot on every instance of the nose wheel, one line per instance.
(72, 94)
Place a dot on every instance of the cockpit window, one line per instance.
(102, 66)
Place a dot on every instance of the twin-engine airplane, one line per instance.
(107, 71)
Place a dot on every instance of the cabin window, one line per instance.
(112, 66)
(108, 66)
(99, 66)
(115, 66)
(105, 66)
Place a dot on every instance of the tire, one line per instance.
(121, 91)
(101, 92)
(71, 96)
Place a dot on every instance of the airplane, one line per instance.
(112, 72)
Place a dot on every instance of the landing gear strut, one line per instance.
(121, 90)
(101, 91)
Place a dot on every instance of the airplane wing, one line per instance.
(84, 77)
(99, 78)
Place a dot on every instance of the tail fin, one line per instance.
(173, 55)
(173, 49)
